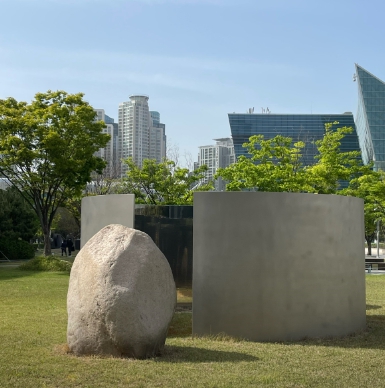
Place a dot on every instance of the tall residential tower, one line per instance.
(216, 156)
(140, 137)
(110, 152)
(157, 138)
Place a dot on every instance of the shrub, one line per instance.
(16, 249)
(46, 263)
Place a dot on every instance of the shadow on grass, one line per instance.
(371, 338)
(7, 273)
(194, 354)
(372, 307)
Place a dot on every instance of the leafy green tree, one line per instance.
(47, 150)
(333, 166)
(74, 206)
(277, 165)
(274, 165)
(162, 183)
(370, 186)
(17, 218)
(65, 223)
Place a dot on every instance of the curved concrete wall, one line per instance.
(278, 266)
(99, 211)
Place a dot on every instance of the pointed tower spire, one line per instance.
(370, 120)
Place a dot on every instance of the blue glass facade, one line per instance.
(155, 116)
(371, 117)
(300, 127)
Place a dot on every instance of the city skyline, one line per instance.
(198, 59)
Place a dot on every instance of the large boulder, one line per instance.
(121, 295)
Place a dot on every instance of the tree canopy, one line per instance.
(333, 166)
(277, 165)
(274, 165)
(17, 218)
(47, 150)
(370, 186)
(162, 183)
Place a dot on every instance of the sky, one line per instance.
(197, 60)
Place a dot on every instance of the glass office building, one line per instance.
(300, 127)
(371, 117)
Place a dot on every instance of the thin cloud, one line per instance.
(145, 62)
(146, 2)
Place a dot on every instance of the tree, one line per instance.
(333, 166)
(17, 218)
(108, 182)
(65, 223)
(47, 150)
(275, 165)
(370, 186)
(162, 183)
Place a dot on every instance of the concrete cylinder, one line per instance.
(278, 266)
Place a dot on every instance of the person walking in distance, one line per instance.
(63, 247)
(70, 246)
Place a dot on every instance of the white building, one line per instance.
(110, 152)
(216, 156)
(141, 135)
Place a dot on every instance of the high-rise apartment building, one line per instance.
(140, 136)
(370, 119)
(155, 116)
(157, 138)
(110, 152)
(216, 156)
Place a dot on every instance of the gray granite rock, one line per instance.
(121, 296)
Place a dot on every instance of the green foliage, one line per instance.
(275, 165)
(162, 183)
(65, 223)
(333, 166)
(15, 249)
(47, 150)
(370, 186)
(46, 263)
(17, 218)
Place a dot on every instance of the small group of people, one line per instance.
(67, 244)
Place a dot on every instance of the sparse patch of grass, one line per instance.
(46, 263)
(184, 295)
(33, 350)
(181, 325)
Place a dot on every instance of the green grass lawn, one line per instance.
(33, 349)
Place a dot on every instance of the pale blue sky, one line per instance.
(197, 59)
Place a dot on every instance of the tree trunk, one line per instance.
(47, 242)
(369, 248)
